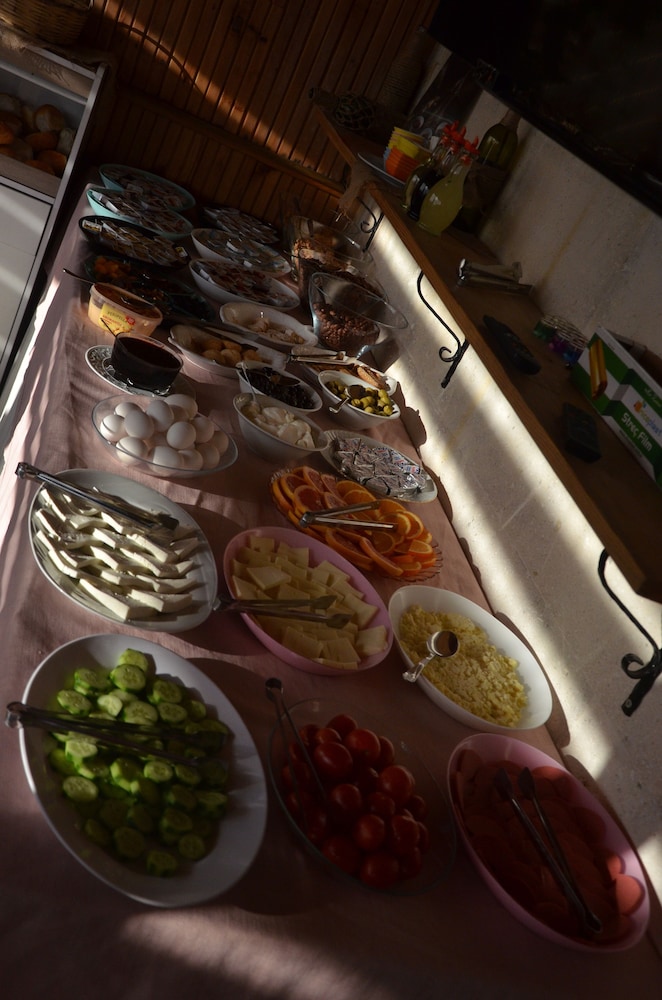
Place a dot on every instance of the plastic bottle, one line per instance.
(488, 174)
(444, 200)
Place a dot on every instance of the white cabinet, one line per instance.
(31, 200)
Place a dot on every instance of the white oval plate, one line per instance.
(361, 474)
(216, 245)
(226, 281)
(539, 696)
(204, 572)
(240, 833)
(244, 316)
(184, 337)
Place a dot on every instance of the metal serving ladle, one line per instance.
(442, 644)
(353, 392)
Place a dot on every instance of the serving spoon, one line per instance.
(442, 644)
(353, 392)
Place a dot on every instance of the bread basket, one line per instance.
(57, 21)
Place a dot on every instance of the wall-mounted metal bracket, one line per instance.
(647, 673)
(447, 355)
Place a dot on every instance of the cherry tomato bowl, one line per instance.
(377, 819)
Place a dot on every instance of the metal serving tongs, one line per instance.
(287, 608)
(334, 516)
(274, 690)
(114, 733)
(152, 520)
(555, 859)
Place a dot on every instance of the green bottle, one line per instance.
(488, 174)
(444, 200)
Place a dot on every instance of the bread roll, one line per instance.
(12, 121)
(10, 103)
(21, 150)
(40, 165)
(66, 140)
(6, 134)
(27, 115)
(48, 118)
(42, 140)
(57, 161)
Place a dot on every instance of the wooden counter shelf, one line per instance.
(619, 500)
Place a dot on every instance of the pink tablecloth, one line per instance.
(286, 929)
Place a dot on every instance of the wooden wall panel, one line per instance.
(215, 93)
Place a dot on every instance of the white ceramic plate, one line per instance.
(204, 572)
(184, 338)
(216, 245)
(362, 472)
(318, 553)
(539, 696)
(98, 359)
(227, 281)
(237, 223)
(240, 833)
(154, 190)
(122, 205)
(248, 317)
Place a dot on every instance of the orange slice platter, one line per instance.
(407, 552)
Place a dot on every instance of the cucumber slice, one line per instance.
(77, 748)
(192, 847)
(90, 682)
(93, 768)
(128, 677)
(140, 817)
(79, 789)
(188, 775)
(165, 691)
(133, 658)
(171, 714)
(113, 813)
(125, 770)
(197, 710)
(181, 797)
(215, 773)
(161, 863)
(158, 770)
(174, 822)
(147, 790)
(129, 843)
(97, 832)
(141, 713)
(74, 702)
(59, 761)
(211, 804)
(110, 704)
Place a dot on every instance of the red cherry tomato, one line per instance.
(411, 864)
(417, 806)
(316, 824)
(366, 778)
(299, 804)
(379, 870)
(363, 745)
(380, 804)
(403, 835)
(369, 832)
(307, 733)
(398, 782)
(333, 761)
(341, 850)
(345, 804)
(327, 735)
(423, 837)
(386, 753)
(342, 724)
(297, 775)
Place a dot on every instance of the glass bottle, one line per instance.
(444, 200)
(449, 147)
(488, 174)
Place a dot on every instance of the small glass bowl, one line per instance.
(349, 318)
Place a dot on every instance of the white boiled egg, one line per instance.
(210, 455)
(191, 459)
(181, 435)
(204, 428)
(221, 441)
(133, 446)
(124, 407)
(161, 414)
(138, 425)
(165, 456)
(112, 427)
(180, 401)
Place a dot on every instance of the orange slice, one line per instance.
(383, 541)
(330, 484)
(307, 498)
(422, 551)
(288, 483)
(415, 526)
(313, 478)
(281, 501)
(358, 495)
(347, 548)
(381, 561)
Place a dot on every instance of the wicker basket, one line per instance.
(59, 22)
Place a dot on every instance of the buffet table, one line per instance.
(286, 929)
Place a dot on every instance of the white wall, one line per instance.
(593, 254)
